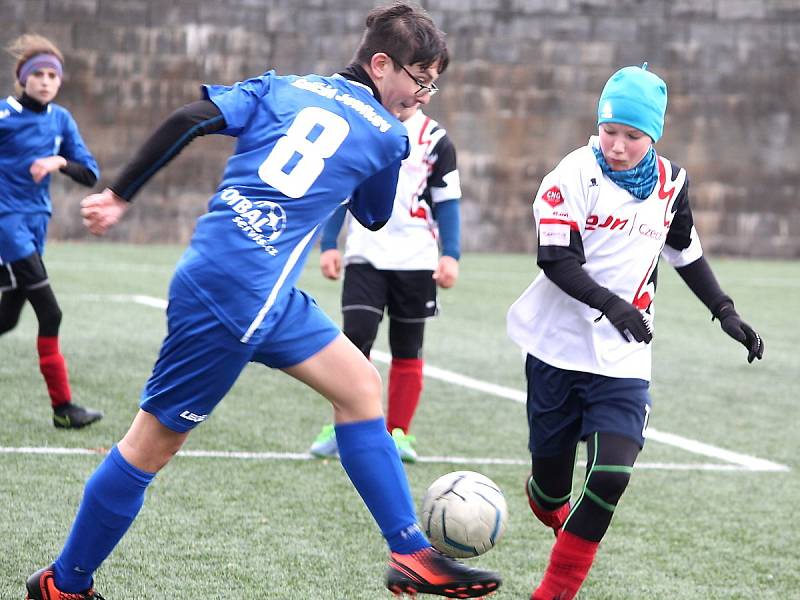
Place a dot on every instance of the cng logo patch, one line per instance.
(553, 196)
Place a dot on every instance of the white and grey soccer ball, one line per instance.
(464, 514)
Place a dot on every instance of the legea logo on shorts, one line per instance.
(190, 416)
(262, 221)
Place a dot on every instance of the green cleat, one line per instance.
(404, 442)
(325, 445)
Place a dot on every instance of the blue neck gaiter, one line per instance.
(640, 181)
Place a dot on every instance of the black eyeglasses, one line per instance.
(431, 89)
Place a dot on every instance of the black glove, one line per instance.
(627, 319)
(733, 325)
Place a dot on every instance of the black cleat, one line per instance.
(42, 586)
(72, 416)
(431, 572)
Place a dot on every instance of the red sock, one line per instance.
(405, 388)
(570, 561)
(551, 518)
(54, 369)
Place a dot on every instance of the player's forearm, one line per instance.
(79, 173)
(172, 136)
(449, 221)
(701, 280)
(331, 230)
(573, 280)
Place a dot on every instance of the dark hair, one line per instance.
(406, 32)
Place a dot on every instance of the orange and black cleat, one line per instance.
(42, 586)
(431, 572)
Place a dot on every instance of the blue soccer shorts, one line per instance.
(565, 407)
(200, 359)
(22, 234)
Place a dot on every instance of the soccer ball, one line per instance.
(464, 514)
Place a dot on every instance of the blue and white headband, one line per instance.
(39, 61)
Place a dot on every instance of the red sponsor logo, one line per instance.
(553, 196)
(610, 222)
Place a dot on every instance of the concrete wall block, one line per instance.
(742, 9)
(541, 6)
(637, 8)
(174, 12)
(691, 8)
(14, 11)
(248, 17)
(783, 9)
(129, 12)
(71, 11)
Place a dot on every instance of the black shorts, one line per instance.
(25, 274)
(408, 296)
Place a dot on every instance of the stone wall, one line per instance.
(520, 93)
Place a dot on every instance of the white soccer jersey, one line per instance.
(409, 241)
(579, 212)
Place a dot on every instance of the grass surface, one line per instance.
(284, 529)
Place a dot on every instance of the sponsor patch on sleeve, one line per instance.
(553, 196)
(554, 234)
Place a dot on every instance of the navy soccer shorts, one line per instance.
(200, 358)
(565, 407)
(408, 296)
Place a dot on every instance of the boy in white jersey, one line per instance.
(397, 269)
(603, 217)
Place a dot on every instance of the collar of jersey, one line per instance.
(356, 74)
(32, 104)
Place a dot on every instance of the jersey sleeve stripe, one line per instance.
(572, 224)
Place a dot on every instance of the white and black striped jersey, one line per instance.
(581, 213)
(427, 177)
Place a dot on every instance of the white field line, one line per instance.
(450, 460)
(736, 460)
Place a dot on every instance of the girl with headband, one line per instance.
(37, 138)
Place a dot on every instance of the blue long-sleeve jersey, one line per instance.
(26, 135)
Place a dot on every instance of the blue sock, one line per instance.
(111, 500)
(370, 459)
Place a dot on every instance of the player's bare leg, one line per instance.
(342, 374)
(149, 445)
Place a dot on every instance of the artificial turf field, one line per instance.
(711, 512)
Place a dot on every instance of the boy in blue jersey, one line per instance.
(37, 137)
(305, 145)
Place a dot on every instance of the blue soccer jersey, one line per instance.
(305, 145)
(26, 135)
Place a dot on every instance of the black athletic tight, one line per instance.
(405, 339)
(608, 470)
(44, 303)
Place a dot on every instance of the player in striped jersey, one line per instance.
(305, 145)
(397, 269)
(603, 218)
(38, 137)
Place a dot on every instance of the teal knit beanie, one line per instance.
(635, 97)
